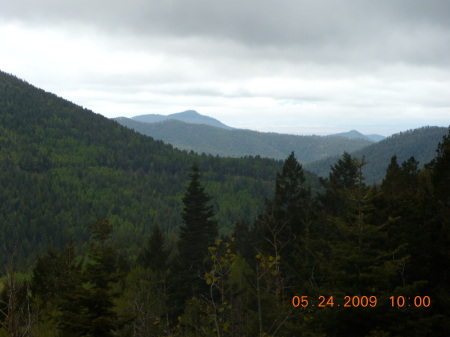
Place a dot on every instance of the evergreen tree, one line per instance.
(342, 175)
(154, 255)
(197, 233)
(400, 182)
(286, 228)
(363, 262)
(433, 244)
(199, 230)
(441, 172)
(289, 190)
(87, 308)
(286, 216)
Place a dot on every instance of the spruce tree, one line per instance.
(342, 175)
(286, 215)
(286, 224)
(87, 307)
(199, 229)
(197, 233)
(154, 255)
(432, 245)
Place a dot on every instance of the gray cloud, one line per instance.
(293, 58)
(388, 31)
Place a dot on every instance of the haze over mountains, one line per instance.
(418, 143)
(188, 116)
(63, 166)
(190, 130)
(353, 134)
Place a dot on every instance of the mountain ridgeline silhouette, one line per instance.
(63, 166)
(231, 142)
(188, 116)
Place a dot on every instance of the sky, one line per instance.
(287, 66)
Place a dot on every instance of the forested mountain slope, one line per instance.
(63, 166)
(239, 143)
(351, 260)
(418, 143)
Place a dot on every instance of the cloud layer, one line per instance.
(288, 66)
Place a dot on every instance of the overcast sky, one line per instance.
(302, 67)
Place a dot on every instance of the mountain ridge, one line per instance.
(188, 116)
(63, 166)
(240, 143)
(352, 134)
(419, 143)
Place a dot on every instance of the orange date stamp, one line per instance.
(359, 301)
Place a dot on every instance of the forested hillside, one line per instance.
(419, 143)
(240, 143)
(63, 166)
(259, 253)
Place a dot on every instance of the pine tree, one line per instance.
(199, 230)
(431, 247)
(400, 182)
(87, 307)
(286, 228)
(154, 255)
(289, 189)
(286, 216)
(197, 233)
(342, 175)
(363, 262)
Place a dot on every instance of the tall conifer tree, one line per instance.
(197, 233)
(199, 229)
(154, 255)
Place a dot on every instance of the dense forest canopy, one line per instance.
(419, 143)
(116, 234)
(63, 167)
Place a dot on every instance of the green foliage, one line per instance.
(220, 306)
(199, 228)
(198, 231)
(418, 143)
(63, 166)
(154, 255)
(87, 306)
(144, 303)
(359, 235)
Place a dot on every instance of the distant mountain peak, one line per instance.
(188, 116)
(188, 113)
(352, 134)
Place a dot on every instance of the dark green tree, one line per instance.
(362, 260)
(286, 216)
(197, 234)
(286, 228)
(199, 229)
(432, 244)
(154, 255)
(342, 175)
(400, 181)
(87, 308)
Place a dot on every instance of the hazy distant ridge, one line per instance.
(420, 143)
(353, 134)
(188, 116)
(238, 142)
